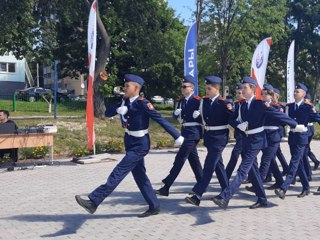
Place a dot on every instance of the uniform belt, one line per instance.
(139, 133)
(190, 124)
(271, 127)
(254, 131)
(304, 130)
(215, 128)
(310, 124)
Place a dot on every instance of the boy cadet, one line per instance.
(253, 114)
(215, 115)
(237, 149)
(135, 113)
(298, 140)
(191, 131)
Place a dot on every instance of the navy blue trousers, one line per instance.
(133, 162)
(296, 167)
(213, 162)
(236, 151)
(268, 154)
(188, 150)
(283, 161)
(248, 166)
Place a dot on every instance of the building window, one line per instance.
(8, 67)
(11, 67)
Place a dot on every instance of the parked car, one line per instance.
(32, 94)
(168, 101)
(157, 99)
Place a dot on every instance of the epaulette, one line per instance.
(242, 100)
(197, 97)
(141, 99)
(222, 99)
(205, 97)
(275, 105)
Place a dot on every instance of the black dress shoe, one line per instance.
(250, 189)
(220, 202)
(88, 205)
(318, 190)
(272, 187)
(309, 178)
(162, 191)
(316, 165)
(258, 205)
(294, 182)
(268, 179)
(149, 212)
(194, 200)
(304, 193)
(280, 193)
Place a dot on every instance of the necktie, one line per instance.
(184, 103)
(296, 107)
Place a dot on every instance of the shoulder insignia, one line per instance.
(275, 105)
(141, 99)
(205, 97)
(222, 99)
(236, 101)
(197, 97)
(242, 100)
(150, 106)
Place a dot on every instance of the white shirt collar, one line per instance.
(299, 103)
(133, 98)
(214, 98)
(187, 98)
(250, 100)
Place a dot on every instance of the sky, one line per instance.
(184, 8)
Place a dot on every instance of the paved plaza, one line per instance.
(39, 204)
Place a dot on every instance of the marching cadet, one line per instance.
(251, 123)
(237, 149)
(214, 113)
(280, 156)
(191, 131)
(135, 113)
(298, 140)
(310, 154)
(273, 134)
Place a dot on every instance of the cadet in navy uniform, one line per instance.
(298, 140)
(273, 134)
(253, 114)
(215, 115)
(237, 149)
(310, 154)
(191, 131)
(280, 156)
(135, 113)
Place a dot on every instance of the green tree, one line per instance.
(304, 21)
(232, 29)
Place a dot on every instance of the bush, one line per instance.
(114, 146)
(164, 143)
(33, 153)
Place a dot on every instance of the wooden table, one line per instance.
(27, 140)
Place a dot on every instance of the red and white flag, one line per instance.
(290, 74)
(92, 43)
(259, 64)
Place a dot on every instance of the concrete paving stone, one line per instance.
(39, 203)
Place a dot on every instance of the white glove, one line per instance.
(196, 114)
(177, 111)
(122, 110)
(243, 126)
(300, 128)
(179, 141)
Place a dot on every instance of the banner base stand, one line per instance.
(92, 159)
